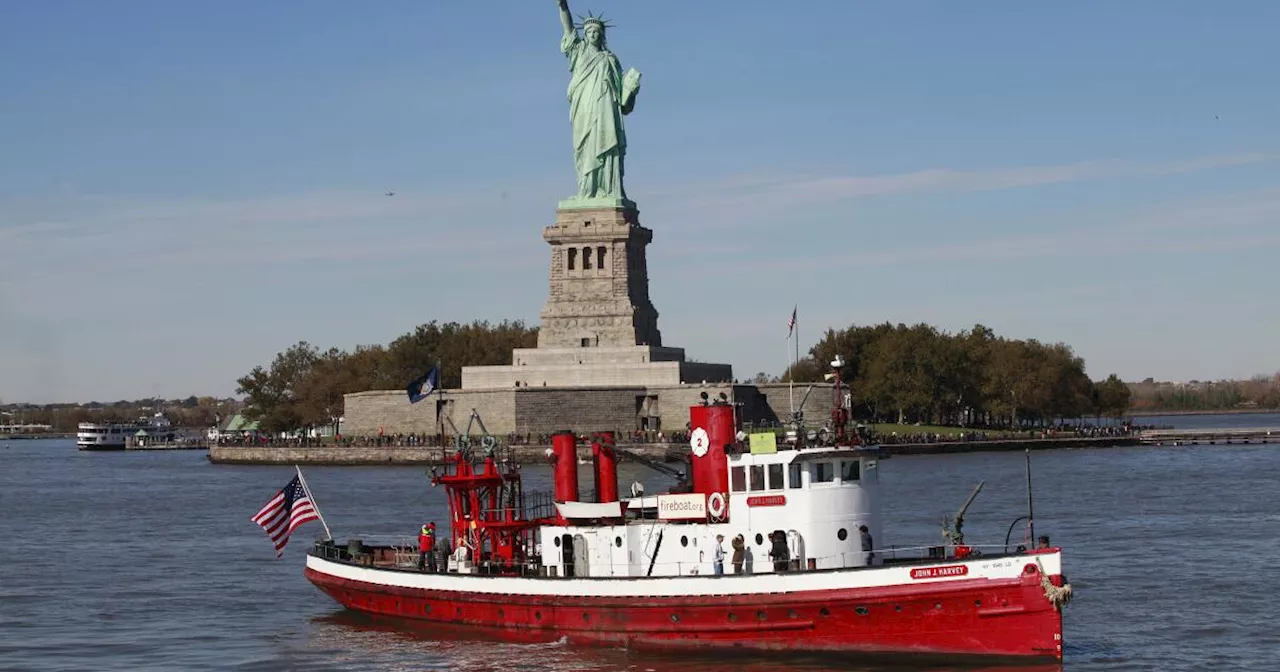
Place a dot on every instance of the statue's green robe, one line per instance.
(595, 108)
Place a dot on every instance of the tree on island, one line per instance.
(304, 387)
(899, 373)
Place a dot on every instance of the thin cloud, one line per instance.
(1216, 225)
(754, 194)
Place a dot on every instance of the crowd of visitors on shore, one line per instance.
(421, 440)
(681, 437)
(1061, 431)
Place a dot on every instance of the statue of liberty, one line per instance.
(599, 95)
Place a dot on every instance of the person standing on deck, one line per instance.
(718, 560)
(739, 553)
(779, 552)
(427, 547)
(867, 545)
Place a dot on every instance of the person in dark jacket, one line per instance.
(867, 543)
(780, 554)
(739, 553)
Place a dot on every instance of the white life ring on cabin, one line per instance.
(716, 505)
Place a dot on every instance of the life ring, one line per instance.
(716, 505)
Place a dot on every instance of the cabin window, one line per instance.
(775, 477)
(757, 477)
(738, 479)
(823, 472)
(850, 471)
(795, 470)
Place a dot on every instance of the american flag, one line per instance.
(791, 323)
(290, 508)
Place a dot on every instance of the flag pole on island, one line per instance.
(302, 479)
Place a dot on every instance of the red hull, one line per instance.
(982, 618)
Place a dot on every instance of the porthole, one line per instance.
(537, 615)
(897, 607)
(842, 534)
(557, 542)
(760, 615)
(501, 614)
(759, 539)
(733, 618)
(586, 616)
(862, 611)
(791, 613)
(937, 605)
(617, 541)
(684, 541)
(977, 603)
(675, 618)
(823, 612)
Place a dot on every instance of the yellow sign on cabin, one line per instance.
(764, 443)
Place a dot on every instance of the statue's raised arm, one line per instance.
(566, 19)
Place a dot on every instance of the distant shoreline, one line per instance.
(1233, 411)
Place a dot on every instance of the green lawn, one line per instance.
(886, 429)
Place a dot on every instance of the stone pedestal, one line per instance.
(599, 294)
(599, 328)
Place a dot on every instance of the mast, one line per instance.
(1031, 521)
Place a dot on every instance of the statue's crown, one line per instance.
(590, 19)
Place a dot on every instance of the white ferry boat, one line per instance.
(115, 435)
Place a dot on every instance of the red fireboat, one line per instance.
(768, 546)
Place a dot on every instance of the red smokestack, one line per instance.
(564, 458)
(711, 469)
(606, 467)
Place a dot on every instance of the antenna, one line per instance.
(1031, 519)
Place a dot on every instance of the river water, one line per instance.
(148, 561)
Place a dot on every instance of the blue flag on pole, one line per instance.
(422, 388)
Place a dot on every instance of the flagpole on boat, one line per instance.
(792, 332)
(303, 479)
(791, 381)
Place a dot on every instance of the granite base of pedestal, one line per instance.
(639, 365)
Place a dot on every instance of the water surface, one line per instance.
(130, 561)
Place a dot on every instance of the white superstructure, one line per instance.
(817, 498)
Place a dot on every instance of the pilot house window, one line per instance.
(795, 470)
(757, 477)
(823, 472)
(775, 477)
(850, 471)
(738, 479)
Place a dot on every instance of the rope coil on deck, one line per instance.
(1058, 596)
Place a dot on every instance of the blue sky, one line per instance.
(188, 188)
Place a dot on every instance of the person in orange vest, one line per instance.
(427, 547)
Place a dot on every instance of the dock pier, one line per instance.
(1177, 437)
